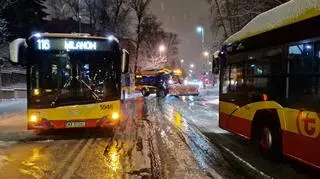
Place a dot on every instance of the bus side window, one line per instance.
(237, 76)
(304, 75)
(264, 73)
(225, 79)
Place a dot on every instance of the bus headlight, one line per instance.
(115, 116)
(33, 118)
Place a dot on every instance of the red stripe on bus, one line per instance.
(62, 124)
(223, 120)
(237, 125)
(302, 148)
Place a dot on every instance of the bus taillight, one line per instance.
(265, 97)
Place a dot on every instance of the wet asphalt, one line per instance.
(154, 140)
(157, 138)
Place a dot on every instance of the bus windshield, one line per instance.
(60, 78)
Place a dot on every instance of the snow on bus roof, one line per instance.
(288, 13)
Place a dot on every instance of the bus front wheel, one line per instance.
(145, 92)
(161, 94)
(270, 140)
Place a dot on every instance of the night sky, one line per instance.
(182, 17)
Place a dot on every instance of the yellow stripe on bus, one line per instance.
(78, 112)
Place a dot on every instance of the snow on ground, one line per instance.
(11, 101)
(12, 107)
(208, 97)
(133, 95)
(14, 128)
(285, 14)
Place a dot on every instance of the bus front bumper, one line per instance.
(65, 124)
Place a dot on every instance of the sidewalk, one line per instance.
(12, 107)
(2, 101)
(14, 128)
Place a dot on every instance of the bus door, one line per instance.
(235, 114)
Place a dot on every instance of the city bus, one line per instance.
(73, 80)
(270, 82)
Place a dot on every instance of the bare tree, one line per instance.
(58, 9)
(5, 3)
(151, 36)
(4, 33)
(114, 17)
(102, 16)
(229, 16)
(90, 14)
(140, 9)
(172, 41)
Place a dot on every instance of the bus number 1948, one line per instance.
(106, 106)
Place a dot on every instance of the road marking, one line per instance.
(68, 157)
(245, 163)
(77, 160)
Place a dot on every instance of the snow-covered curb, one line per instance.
(12, 100)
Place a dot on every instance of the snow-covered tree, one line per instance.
(4, 33)
(229, 16)
(23, 17)
(152, 37)
(102, 16)
(171, 41)
(114, 17)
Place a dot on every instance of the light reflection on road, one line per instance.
(113, 159)
(29, 166)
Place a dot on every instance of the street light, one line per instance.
(181, 63)
(191, 65)
(200, 30)
(206, 54)
(162, 48)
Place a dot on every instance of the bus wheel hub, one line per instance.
(266, 139)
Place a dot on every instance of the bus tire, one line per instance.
(161, 94)
(270, 142)
(145, 92)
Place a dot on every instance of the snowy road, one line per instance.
(153, 141)
(243, 155)
(157, 138)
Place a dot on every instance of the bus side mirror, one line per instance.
(18, 51)
(125, 61)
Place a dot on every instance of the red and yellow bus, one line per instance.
(270, 83)
(73, 80)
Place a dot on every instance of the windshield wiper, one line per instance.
(68, 84)
(60, 91)
(90, 89)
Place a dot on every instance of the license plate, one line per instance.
(75, 124)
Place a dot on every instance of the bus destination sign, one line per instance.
(45, 44)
